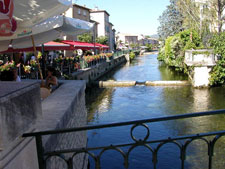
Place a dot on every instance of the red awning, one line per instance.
(81, 45)
(50, 46)
(57, 46)
(102, 46)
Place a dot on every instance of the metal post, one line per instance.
(94, 39)
(40, 152)
(70, 163)
(43, 60)
(210, 154)
(36, 55)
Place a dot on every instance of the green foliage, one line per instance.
(149, 47)
(218, 44)
(189, 45)
(132, 55)
(172, 53)
(170, 21)
(217, 77)
(207, 53)
(218, 72)
(133, 45)
(102, 40)
(86, 37)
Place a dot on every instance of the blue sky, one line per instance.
(131, 16)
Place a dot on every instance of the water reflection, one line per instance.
(140, 102)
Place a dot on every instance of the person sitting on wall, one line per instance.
(51, 81)
(15, 75)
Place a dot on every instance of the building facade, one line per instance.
(82, 13)
(105, 28)
(146, 41)
(125, 40)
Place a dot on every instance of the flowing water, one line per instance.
(140, 102)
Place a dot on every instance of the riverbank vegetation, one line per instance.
(186, 25)
(132, 55)
(218, 73)
(173, 50)
(149, 47)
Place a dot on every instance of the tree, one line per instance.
(217, 10)
(191, 14)
(86, 37)
(102, 40)
(198, 16)
(203, 15)
(170, 21)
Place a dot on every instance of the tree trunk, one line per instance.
(219, 5)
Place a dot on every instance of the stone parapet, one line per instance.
(20, 107)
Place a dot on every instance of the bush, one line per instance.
(218, 73)
(132, 55)
(217, 77)
(149, 47)
(172, 53)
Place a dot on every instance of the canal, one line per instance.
(140, 102)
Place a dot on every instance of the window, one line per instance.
(79, 11)
(107, 28)
(84, 13)
(106, 18)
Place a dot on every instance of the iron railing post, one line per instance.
(210, 153)
(183, 156)
(70, 163)
(40, 152)
(155, 159)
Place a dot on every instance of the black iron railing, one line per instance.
(182, 142)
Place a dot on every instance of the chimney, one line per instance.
(96, 8)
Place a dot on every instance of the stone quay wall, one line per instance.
(65, 108)
(20, 107)
(95, 72)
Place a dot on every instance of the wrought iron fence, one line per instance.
(120, 53)
(182, 142)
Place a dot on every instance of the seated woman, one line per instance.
(51, 81)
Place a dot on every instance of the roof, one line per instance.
(84, 7)
(99, 11)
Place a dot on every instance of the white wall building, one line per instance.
(105, 28)
(146, 41)
(127, 39)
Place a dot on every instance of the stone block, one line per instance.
(20, 106)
